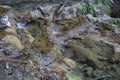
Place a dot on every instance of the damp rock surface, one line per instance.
(41, 44)
(116, 9)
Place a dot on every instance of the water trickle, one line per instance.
(55, 31)
(21, 25)
(4, 21)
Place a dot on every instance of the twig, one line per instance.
(62, 6)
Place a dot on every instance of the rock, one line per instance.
(115, 9)
(64, 73)
(114, 38)
(97, 73)
(73, 77)
(30, 37)
(10, 27)
(19, 2)
(25, 37)
(59, 70)
(13, 40)
(36, 14)
(31, 16)
(117, 49)
(58, 52)
(89, 51)
(104, 21)
(4, 8)
(35, 78)
(9, 30)
(117, 30)
(88, 78)
(69, 62)
(4, 21)
(115, 58)
(48, 10)
(89, 71)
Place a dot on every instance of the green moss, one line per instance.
(71, 11)
(73, 77)
(116, 21)
(107, 2)
(42, 43)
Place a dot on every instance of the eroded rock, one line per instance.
(4, 8)
(13, 40)
(69, 62)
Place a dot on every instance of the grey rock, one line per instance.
(97, 73)
(89, 71)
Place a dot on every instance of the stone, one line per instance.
(83, 51)
(58, 52)
(9, 30)
(89, 71)
(97, 73)
(4, 8)
(31, 16)
(117, 49)
(30, 37)
(69, 62)
(73, 77)
(114, 38)
(60, 70)
(13, 40)
(115, 58)
(35, 78)
(115, 9)
(117, 30)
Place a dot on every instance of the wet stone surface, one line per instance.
(72, 48)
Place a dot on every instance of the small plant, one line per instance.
(116, 21)
(90, 5)
(107, 2)
(90, 8)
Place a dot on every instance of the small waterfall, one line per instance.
(55, 31)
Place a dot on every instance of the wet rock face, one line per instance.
(13, 2)
(25, 73)
(81, 39)
(96, 55)
(116, 9)
(13, 40)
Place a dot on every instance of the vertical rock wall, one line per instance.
(116, 9)
(12, 2)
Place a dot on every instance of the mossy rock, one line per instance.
(73, 77)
